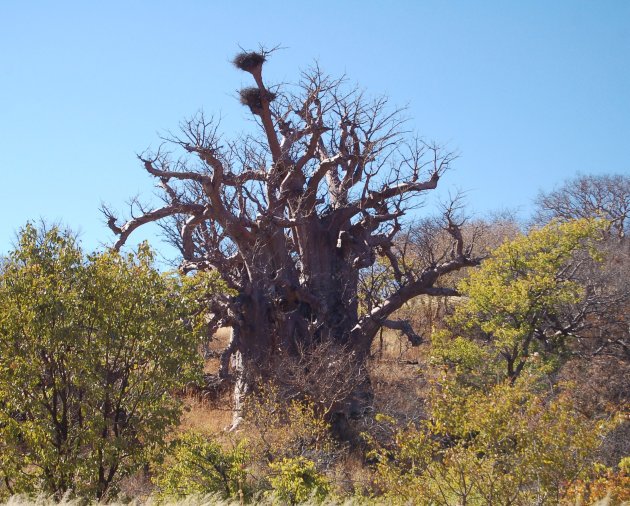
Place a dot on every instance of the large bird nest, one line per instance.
(249, 61)
(253, 97)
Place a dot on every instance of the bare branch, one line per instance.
(155, 215)
(406, 329)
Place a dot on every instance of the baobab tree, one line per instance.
(291, 214)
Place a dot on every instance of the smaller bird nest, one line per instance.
(253, 97)
(248, 61)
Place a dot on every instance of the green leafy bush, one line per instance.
(295, 480)
(509, 445)
(90, 351)
(200, 465)
(527, 298)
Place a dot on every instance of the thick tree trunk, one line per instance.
(276, 325)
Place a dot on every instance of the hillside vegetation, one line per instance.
(318, 345)
(497, 405)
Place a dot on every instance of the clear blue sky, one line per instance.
(528, 92)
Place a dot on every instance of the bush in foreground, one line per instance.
(90, 349)
(510, 445)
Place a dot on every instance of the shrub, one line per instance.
(509, 445)
(281, 428)
(529, 298)
(296, 480)
(604, 484)
(90, 349)
(200, 465)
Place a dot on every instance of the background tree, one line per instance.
(602, 355)
(528, 297)
(289, 216)
(604, 196)
(90, 350)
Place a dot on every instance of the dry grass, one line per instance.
(350, 475)
(206, 500)
(201, 416)
(214, 500)
(221, 338)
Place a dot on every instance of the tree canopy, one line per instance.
(90, 349)
(528, 297)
